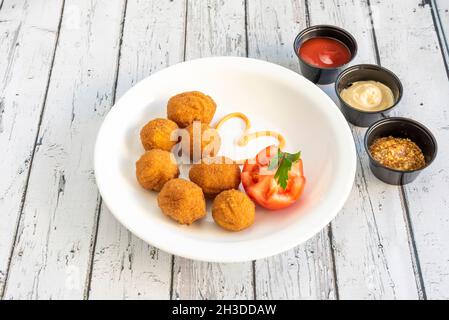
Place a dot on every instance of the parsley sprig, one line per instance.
(283, 161)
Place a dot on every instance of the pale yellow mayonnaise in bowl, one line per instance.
(368, 96)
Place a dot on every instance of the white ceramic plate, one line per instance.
(274, 98)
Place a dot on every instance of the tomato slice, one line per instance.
(261, 186)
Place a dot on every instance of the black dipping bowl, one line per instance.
(364, 72)
(400, 128)
(320, 75)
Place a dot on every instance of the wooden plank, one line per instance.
(408, 44)
(372, 257)
(211, 281)
(28, 36)
(54, 243)
(125, 266)
(305, 272)
(214, 27)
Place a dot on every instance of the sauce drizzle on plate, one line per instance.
(247, 137)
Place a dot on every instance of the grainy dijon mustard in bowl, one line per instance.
(397, 153)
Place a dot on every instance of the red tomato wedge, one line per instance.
(261, 186)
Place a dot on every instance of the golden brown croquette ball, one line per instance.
(154, 168)
(233, 210)
(156, 134)
(215, 175)
(182, 201)
(186, 107)
(204, 141)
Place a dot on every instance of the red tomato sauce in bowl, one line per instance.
(324, 52)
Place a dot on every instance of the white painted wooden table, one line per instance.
(64, 63)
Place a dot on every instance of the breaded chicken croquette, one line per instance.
(156, 134)
(233, 210)
(182, 201)
(154, 168)
(204, 141)
(186, 107)
(215, 175)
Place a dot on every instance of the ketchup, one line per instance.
(324, 52)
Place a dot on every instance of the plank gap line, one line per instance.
(442, 40)
(412, 244)
(185, 29)
(253, 269)
(172, 266)
(334, 265)
(307, 12)
(93, 245)
(119, 53)
(100, 203)
(33, 152)
(373, 33)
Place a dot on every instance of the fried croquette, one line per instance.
(233, 210)
(154, 168)
(182, 201)
(215, 175)
(156, 134)
(204, 141)
(186, 107)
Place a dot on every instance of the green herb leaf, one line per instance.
(293, 157)
(274, 162)
(283, 161)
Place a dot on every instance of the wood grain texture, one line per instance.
(211, 281)
(372, 257)
(407, 26)
(54, 243)
(387, 242)
(28, 33)
(124, 266)
(305, 272)
(214, 27)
